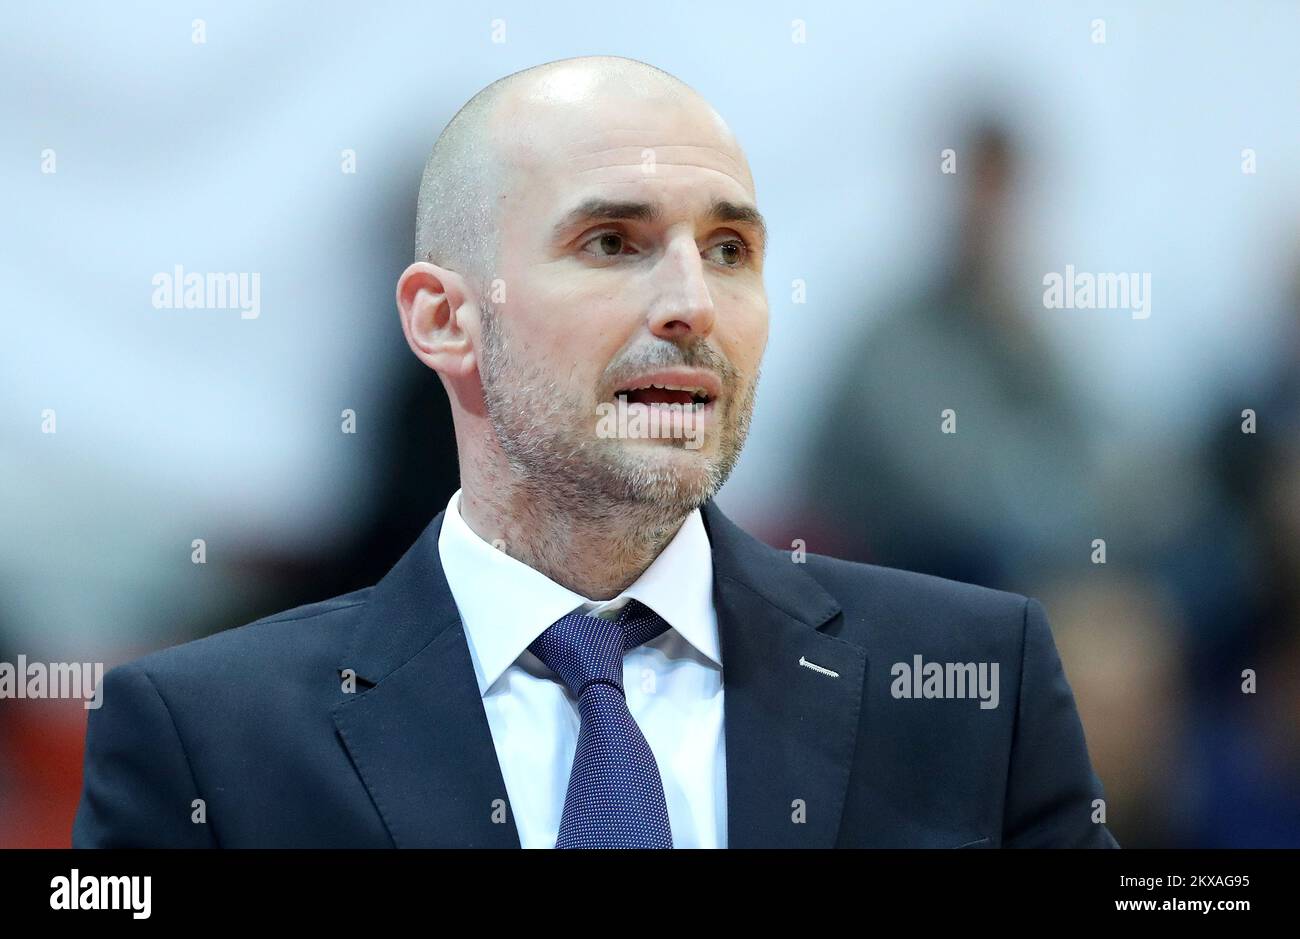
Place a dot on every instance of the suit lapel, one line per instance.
(415, 729)
(791, 727)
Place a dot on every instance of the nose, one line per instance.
(683, 305)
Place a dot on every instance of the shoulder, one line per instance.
(890, 587)
(275, 647)
(892, 606)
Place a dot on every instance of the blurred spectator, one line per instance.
(1246, 746)
(1002, 496)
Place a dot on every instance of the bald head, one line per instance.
(472, 164)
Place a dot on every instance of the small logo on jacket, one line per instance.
(817, 668)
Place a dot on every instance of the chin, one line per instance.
(681, 480)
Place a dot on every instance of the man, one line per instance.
(582, 650)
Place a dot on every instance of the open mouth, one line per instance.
(665, 394)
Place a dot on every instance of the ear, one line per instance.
(440, 319)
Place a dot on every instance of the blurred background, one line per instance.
(288, 141)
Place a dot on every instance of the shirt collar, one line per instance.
(505, 604)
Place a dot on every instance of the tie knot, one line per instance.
(583, 649)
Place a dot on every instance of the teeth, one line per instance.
(691, 389)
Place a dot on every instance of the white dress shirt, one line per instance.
(673, 683)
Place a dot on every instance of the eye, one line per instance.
(609, 244)
(734, 253)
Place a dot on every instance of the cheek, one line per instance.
(573, 334)
(760, 333)
(745, 328)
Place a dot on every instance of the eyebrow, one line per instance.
(611, 210)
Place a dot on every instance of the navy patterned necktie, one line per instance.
(616, 796)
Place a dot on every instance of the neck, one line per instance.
(596, 551)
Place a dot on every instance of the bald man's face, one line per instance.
(630, 255)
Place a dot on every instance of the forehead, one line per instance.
(669, 149)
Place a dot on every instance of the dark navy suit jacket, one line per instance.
(257, 724)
